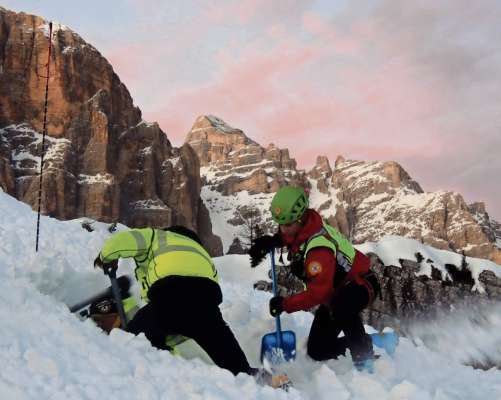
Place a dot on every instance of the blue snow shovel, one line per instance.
(280, 346)
(386, 340)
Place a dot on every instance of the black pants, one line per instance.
(172, 310)
(343, 315)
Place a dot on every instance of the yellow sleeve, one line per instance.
(132, 243)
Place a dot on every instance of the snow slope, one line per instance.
(47, 353)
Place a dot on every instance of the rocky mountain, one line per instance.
(364, 200)
(101, 160)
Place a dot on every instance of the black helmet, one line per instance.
(182, 230)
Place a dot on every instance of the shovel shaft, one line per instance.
(112, 273)
(277, 347)
(275, 292)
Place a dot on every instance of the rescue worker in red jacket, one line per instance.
(337, 276)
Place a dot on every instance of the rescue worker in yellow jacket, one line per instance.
(179, 283)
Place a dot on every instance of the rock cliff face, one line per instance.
(408, 297)
(101, 159)
(383, 199)
(364, 200)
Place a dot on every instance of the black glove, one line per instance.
(261, 246)
(98, 263)
(276, 307)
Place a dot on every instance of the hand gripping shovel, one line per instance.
(280, 346)
(111, 271)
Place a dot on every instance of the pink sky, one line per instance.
(415, 82)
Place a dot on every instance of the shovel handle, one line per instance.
(275, 292)
(111, 271)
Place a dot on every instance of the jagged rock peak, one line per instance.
(231, 162)
(323, 164)
(210, 121)
(215, 141)
(489, 227)
(399, 176)
(216, 130)
(339, 160)
(322, 168)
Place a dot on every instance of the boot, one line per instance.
(276, 381)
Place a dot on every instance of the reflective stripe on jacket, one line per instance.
(159, 254)
(329, 237)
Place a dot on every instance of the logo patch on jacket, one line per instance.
(313, 268)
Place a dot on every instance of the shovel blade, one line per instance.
(275, 352)
(387, 341)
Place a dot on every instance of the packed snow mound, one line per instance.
(47, 352)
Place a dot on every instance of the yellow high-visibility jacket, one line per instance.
(158, 254)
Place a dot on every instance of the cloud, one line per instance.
(416, 83)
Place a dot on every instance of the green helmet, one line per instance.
(288, 205)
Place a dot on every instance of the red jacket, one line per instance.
(319, 267)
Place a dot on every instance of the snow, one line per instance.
(217, 123)
(174, 162)
(149, 204)
(360, 173)
(145, 151)
(69, 49)
(214, 174)
(404, 211)
(224, 208)
(430, 201)
(319, 200)
(105, 179)
(20, 156)
(47, 352)
(54, 147)
(95, 95)
(142, 122)
(55, 27)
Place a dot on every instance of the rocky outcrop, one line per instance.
(101, 160)
(490, 228)
(408, 297)
(231, 162)
(384, 200)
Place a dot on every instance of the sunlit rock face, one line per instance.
(101, 160)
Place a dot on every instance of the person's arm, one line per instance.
(320, 266)
(132, 243)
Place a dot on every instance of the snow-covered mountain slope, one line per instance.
(48, 353)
